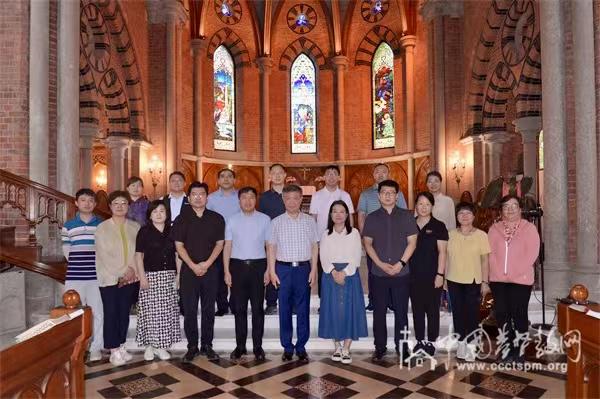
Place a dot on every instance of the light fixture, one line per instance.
(155, 168)
(458, 167)
(101, 179)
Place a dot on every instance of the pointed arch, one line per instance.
(235, 45)
(303, 105)
(382, 89)
(372, 40)
(299, 46)
(224, 99)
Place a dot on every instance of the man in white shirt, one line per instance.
(321, 202)
(176, 199)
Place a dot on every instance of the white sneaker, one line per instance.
(470, 355)
(162, 353)
(461, 352)
(337, 355)
(116, 358)
(95, 356)
(346, 358)
(149, 353)
(126, 355)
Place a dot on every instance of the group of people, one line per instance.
(186, 249)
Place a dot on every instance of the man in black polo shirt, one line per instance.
(271, 203)
(390, 238)
(199, 235)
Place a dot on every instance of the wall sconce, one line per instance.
(101, 179)
(155, 168)
(458, 167)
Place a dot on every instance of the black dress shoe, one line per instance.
(287, 356)
(259, 354)
(271, 310)
(237, 353)
(221, 312)
(190, 355)
(302, 356)
(209, 353)
(370, 307)
(378, 355)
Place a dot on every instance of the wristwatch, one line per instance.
(403, 262)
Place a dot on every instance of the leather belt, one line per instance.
(249, 262)
(294, 264)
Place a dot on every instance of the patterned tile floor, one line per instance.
(319, 378)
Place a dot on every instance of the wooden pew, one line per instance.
(583, 352)
(51, 364)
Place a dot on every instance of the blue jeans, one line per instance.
(294, 290)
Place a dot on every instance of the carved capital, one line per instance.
(340, 62)
(499, 137)
(199, 46)
(408, 41)
(431, 9)
(529, 127)
(264, 64)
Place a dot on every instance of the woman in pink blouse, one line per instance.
(515, 246)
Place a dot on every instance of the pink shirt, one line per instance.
(513, 262)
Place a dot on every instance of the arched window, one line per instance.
(303, 106)
(224, 99)
(384, 132)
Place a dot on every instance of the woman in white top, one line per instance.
(342, 315)
(444, 206)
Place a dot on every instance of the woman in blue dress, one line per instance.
(342, 315)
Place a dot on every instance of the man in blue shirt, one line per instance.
(225, 202)
(271, 203)
(245, 264)
(369, 202)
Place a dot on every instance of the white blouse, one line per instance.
(340, 248)
(443, 210)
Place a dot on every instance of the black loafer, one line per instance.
(378, 355)
(271, 310)
(287, 356)
(302, 356)
(190, 355)
(259, 354)
(209, 353)
(237, 353)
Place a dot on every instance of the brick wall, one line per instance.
(597, 74)
(52, 94)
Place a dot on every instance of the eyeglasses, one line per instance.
(197, 195)
(510, 206)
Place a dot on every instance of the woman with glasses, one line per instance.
(515, 246)
(117, 277)
(467, 277)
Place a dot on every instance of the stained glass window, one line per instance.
(224, 99)
(303, 106)
(383, 97)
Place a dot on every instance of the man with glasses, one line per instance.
(390, 238)
(199, 235)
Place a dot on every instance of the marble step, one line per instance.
(225, 329)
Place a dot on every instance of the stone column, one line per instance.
(265, 66)
(198, 50)
(117, 147)
(340, 65)
(67, 141)
(39, 66)
(175, 16)
(86, 160)
(408, 43)
(587, 156)
(552, 29)
(530, 127)
(433, 12)
(494, 143)
(137, 154)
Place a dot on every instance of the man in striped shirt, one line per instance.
(79, 247)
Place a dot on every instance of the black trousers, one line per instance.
(116, 303)
(511, 302)
(222, 289)
(425, 302)
(247, 283)
(398, 288)
(191, 289)
(465, 300)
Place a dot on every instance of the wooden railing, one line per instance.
(35, 203)
(51, 364)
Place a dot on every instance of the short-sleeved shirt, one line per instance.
(271, 204)
(248, 235)
(137, 210)
(424, 261)
(369, 200)
(79, 247)
(389, 232)
(199, 234)
(464, 256)
(321, 202)
(158, 248)
(293, 237)
(225, 205)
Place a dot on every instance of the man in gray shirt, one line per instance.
(390, 238)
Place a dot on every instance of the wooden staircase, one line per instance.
(35, 203)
